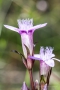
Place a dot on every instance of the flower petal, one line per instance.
(27, 39)
(12, 28)
(50, 63)
(52, 55)
(56, 59)
(38, 26)
(35, 57)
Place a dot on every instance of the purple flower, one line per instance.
(46, 55)
(24, 87)
(45, 87)
(26, 30)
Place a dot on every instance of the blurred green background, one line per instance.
(12, 70)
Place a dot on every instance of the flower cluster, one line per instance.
(45, 57)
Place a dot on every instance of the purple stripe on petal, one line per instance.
(22, 31)
(30, 31)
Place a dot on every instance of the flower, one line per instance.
(26, 30)
(45, 87)
(24, 86)
(46, 55)
(36, 85)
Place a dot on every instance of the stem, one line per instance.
(31, 79)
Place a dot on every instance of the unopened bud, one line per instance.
(45, 87)
(24, 86)
(36, 85)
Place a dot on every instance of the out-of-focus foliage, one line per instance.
(12, 70)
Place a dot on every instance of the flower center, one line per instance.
(25, 24)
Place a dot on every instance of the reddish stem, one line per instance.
(31, 79)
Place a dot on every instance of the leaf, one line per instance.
(28, 52)
(18, 53)
(23, 58)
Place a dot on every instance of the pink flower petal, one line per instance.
(34, 57)
(12, 28)
(38, 26)
(56, 59)
(50, 63)
(27, 39)
(37, 55)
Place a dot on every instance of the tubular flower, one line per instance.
(46, 55)
(46, 58)
(26, 30)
